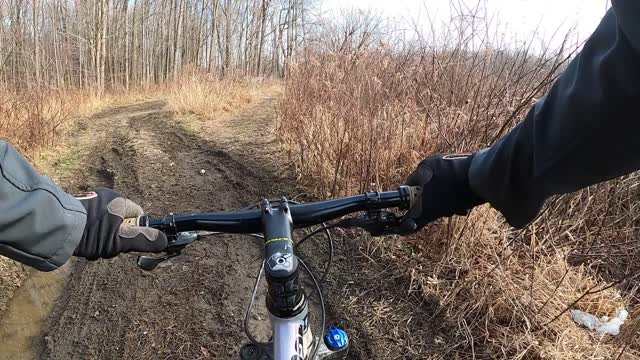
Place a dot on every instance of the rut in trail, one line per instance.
(192, 306)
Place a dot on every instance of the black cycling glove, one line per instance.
(445, 190)
(106, 236)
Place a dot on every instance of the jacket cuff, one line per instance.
(75, 222)
(519, 210)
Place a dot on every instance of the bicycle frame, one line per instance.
(292, 338)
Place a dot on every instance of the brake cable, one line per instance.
(248, 313)
(326, 229)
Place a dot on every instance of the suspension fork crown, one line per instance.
(285, 298)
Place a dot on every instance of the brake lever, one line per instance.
(174, 248)
(377, 223)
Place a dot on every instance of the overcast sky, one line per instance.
(517, 19)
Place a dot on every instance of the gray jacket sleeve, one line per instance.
(584, 131)
(40, 225)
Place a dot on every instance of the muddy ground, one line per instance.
(12, 275)
(192, 307)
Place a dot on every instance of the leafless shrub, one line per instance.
(32, 120)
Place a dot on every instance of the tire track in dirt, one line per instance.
(193, 306)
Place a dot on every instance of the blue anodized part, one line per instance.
(336, 339)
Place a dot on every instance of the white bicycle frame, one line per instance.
(292, 338)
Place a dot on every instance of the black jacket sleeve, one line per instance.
(584, 131)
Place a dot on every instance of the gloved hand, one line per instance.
(106, 236)
(445, 190)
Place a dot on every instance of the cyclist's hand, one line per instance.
(445, 190)
(106, 236)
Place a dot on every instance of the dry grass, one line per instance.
(384, 111)
(32, 120)
(360, 119)
(91, 103)
(205, 95)
(510, 294)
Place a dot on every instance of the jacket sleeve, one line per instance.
(584, 131)
(40, 225)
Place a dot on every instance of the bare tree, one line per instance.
(103, 44)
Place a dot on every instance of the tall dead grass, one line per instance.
(385, 110)
(361, 119)
(32, 120)
(207, 95)
(35, 120)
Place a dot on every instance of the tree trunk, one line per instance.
(227, 37)
(36, 43)
(102, 43)
(177, 65)
(263, 22)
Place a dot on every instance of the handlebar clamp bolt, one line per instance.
(266, 206)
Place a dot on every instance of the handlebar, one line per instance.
(181, 229)
(303, 215)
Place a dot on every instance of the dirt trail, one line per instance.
(192, 307)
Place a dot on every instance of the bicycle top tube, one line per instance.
(303, 215)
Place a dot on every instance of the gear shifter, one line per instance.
(174, 248)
